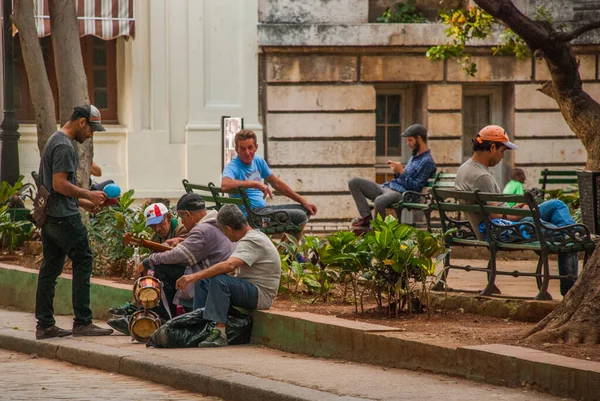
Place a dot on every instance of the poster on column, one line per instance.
(229, 127)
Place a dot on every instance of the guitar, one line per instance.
(130, 239)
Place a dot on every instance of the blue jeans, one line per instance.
(555, 213)
(218, 293)
(65, 236)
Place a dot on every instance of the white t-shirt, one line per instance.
(262, 266)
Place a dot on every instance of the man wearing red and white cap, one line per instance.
(166, 229)
(161, 221)
(488, 150)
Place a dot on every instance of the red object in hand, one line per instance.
(111, 202)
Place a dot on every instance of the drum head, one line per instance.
(143, 324)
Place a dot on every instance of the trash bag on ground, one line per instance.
(238, 328)
(184, 331)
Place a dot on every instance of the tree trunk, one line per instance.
(577, 318)
(70, 74)
(580, 111)
(39, 85)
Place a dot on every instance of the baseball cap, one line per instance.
(415, 130)
(191, 202)
(91, 114)
(495, 133)
(155, 213)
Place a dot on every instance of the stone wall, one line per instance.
(320, 120)
(321, 127)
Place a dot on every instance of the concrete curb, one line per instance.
(195, 377)
(18, 286)
(497, 364)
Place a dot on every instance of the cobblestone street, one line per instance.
(23, 377)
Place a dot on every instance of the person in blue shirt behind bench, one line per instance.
(249, 169)
(412, 177)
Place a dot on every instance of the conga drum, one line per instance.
(146, 291)
(143, 324)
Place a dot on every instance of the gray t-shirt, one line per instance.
(262, 265)
(471, 176)
(59, 157)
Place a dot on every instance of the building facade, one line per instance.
(163, 91)
(337, 90)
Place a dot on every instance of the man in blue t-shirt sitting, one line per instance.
(249, 169)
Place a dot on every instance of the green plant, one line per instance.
(475, 23)
(402, 13)
(302, 266)
(107, 229)
(347, 253)
(11, 232)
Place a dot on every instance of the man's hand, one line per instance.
(396, 167)
(266, 190)
(183, 281)
(96, 197)
(139, 271)
(174, 241)
(312, 209)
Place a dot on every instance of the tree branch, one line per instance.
(569, 36)
(534, 33)
(547, 90)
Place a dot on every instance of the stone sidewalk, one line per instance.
(247, 372)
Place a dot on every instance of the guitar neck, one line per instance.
(155, 246)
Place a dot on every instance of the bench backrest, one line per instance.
(442, 180)
(214, 197)
(565, 177)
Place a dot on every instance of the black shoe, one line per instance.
(120, 324)
(123, 310)
(90, 330)
(51, 332)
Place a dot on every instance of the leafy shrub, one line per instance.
(403, 13)
(393, 262)
(106, 231)
(11, 232)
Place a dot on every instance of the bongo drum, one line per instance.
(143, 324)
(146, 291)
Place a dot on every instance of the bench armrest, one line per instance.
(269, 218)
(566, 235)
(462, 229)
(414, 197)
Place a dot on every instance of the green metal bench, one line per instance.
(534, 236)
(561, 177)
(423, 201)
(270, 222)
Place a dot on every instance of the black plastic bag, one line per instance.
(238, 328)
(184, 331)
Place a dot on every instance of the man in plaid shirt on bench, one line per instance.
(412, 177)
